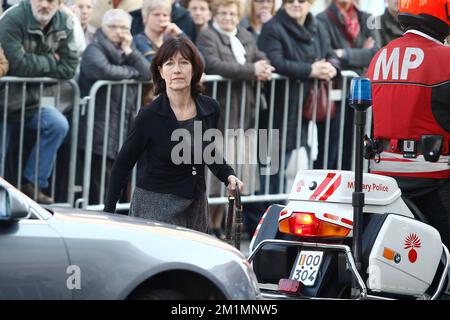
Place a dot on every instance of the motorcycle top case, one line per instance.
(338, 186)
(404, 257)
(325, 192)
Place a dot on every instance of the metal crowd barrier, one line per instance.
(253, 195)
(90, 102)
(284, 188)
(48, 98)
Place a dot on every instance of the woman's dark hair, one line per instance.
(168, 50)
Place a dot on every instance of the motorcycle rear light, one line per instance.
(290, 286)
(300, 223)
(306, 224)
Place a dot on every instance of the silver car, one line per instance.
(73, 254)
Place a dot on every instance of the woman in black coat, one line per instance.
(167, 137)
(110, 57)
(298, 48)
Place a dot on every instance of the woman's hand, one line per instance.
(369, 43)
(234, 182)
(126, 40)
(263, 70)
(322, 70)
(173, 30)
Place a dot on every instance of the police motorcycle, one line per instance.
(348, 235)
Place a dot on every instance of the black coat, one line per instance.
(102, 60)
(292, 49)
(150, 142)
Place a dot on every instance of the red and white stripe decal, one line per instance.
(331, 181)
(322, 186)
(332, 189)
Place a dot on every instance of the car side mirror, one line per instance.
(12, 208)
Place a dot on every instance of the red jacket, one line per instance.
(411, 97)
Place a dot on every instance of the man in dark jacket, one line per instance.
(353, 36)
(180, 16)
(389, 28)
(110, 57)
(38, 41)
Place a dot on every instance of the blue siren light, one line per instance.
(360, 93)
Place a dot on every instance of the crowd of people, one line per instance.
(92, 40)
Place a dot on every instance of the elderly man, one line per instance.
(38, 41)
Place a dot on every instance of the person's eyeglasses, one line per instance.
(201, 9)
(299, 1)
(224, 14)
(262, 1)
(121, 28)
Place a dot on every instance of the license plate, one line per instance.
(307, 266)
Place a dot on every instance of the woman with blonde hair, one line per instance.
(157, 27)
(258, 13)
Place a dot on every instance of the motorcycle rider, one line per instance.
(411, 108)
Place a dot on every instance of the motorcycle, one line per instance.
(348, 235)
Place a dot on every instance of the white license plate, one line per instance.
(307, 266)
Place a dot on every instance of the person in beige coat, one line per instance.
(101, 6)
(4, 65)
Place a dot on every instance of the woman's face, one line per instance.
(297, 9)
(177, 73)
(200, 12)
(157, 20)
(227, 17)
(116, 30)
(261, 7)
(85, 7)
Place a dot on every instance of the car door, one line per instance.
(33, 259)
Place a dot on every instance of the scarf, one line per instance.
(351, 21)
(236, 45)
